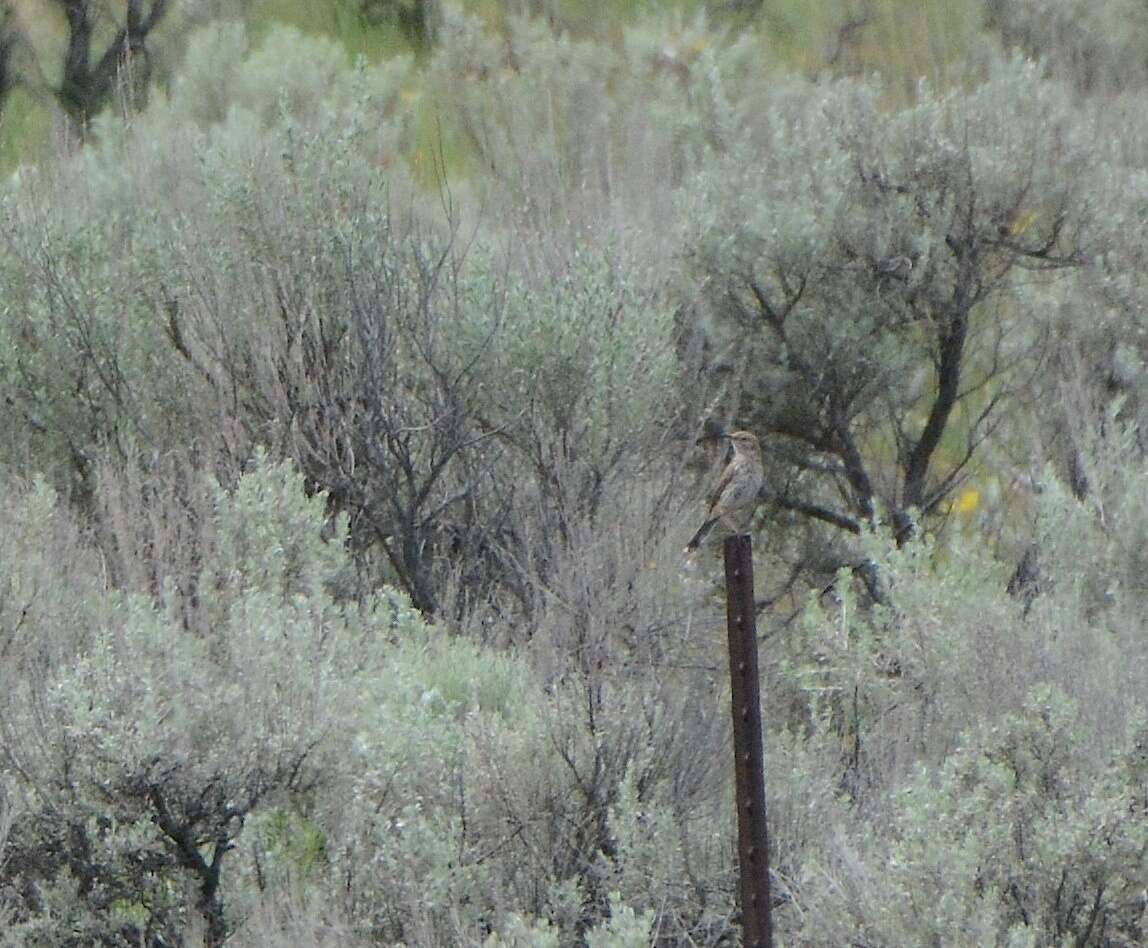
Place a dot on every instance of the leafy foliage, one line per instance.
(867, 315)
(349, 448)
(141, 754)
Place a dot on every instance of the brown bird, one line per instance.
(735, 496)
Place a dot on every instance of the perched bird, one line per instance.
(735, 496)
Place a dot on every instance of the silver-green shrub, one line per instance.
(137, 754)
(306, 331)
(874, 283)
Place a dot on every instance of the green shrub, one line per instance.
(271, 375)
(1021, 839)
(1098, 47)
(138, 754)
(874, 284)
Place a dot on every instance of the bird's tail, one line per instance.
(699, 537)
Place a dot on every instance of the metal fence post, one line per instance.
(749, 763)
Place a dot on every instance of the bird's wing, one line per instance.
(726, 476)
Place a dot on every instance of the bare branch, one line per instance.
(818, 512)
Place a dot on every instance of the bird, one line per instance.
(735, 496)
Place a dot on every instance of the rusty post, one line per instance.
(749, 763)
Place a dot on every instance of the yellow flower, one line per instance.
(968, 501)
